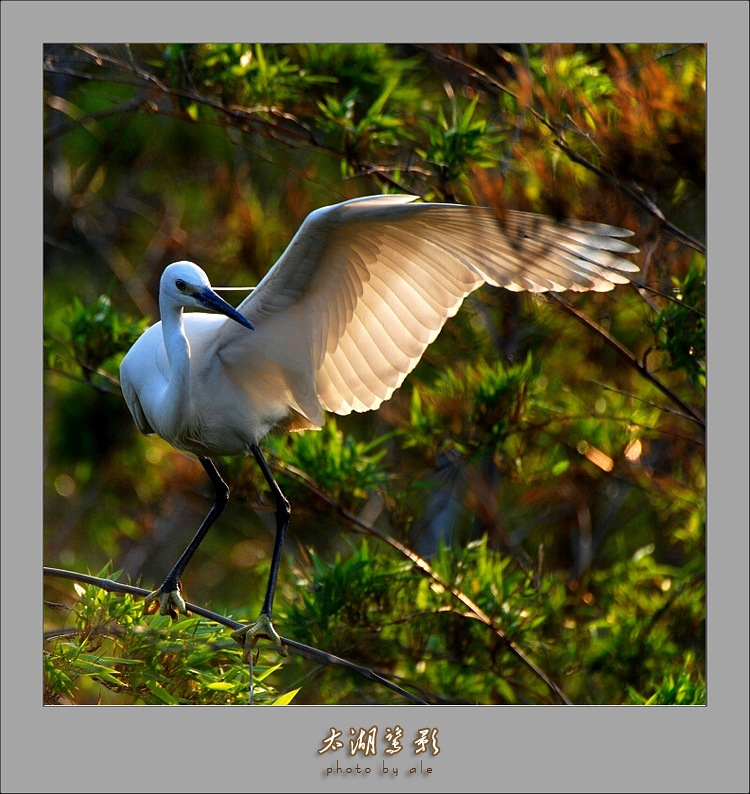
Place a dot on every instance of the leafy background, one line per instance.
(524, 522)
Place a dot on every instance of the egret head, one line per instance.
(185, 284)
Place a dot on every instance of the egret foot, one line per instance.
(248, 636)
(166, 602)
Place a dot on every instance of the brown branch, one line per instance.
(102, 389)
(632, 190)
(296, 133)
(307, 651)
(421, 564)
(625, 354)
(84, 118)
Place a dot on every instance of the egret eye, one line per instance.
(180, 284)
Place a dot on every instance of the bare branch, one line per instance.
(625, 354)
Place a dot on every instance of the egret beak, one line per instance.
(208, 298)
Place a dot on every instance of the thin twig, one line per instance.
(633, 191)
(421, 564)
(83, 119)
(624, 353)
(296, 133)
(607, 387)
(307, 651)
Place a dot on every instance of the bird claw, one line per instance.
(166, 602)
(248, 636)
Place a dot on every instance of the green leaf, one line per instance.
(286, 698)
(161, 694)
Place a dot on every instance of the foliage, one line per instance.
(86, 337)
(418, 635)
(455, 146)
(477, 406)
(106, 651)
(619, 633)
(346, 468)
(540, 476)
(684, 326)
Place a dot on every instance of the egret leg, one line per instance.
(168, 598)
(247, 636)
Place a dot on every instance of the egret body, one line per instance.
(336, 324)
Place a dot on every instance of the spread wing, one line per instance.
(366, 285)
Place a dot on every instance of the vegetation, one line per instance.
(524, 522)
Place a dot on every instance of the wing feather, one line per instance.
(366, 285)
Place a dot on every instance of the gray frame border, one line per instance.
(484, 748)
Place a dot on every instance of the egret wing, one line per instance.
(366, 285)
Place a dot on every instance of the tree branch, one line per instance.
(307, 651)
(422, 565)
(625, 354)
(633, 191)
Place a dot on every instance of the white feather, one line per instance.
(345, 314)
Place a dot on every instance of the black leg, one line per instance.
(283, 514)
(168, 595)
(247, 636)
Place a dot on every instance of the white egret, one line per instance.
(338, 322)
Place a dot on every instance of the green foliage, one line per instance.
(684, 325)
(606, 642)
(343, 466)
(239, 74)
(457, 145)
(575, 75)
(107, 651)
(687, 688)
(548, 483)
(332, 618)
(362, 69)
(477, 407)
(87, 337)
(648, 619)
(359, 134)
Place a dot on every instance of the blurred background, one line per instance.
(546, 457)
